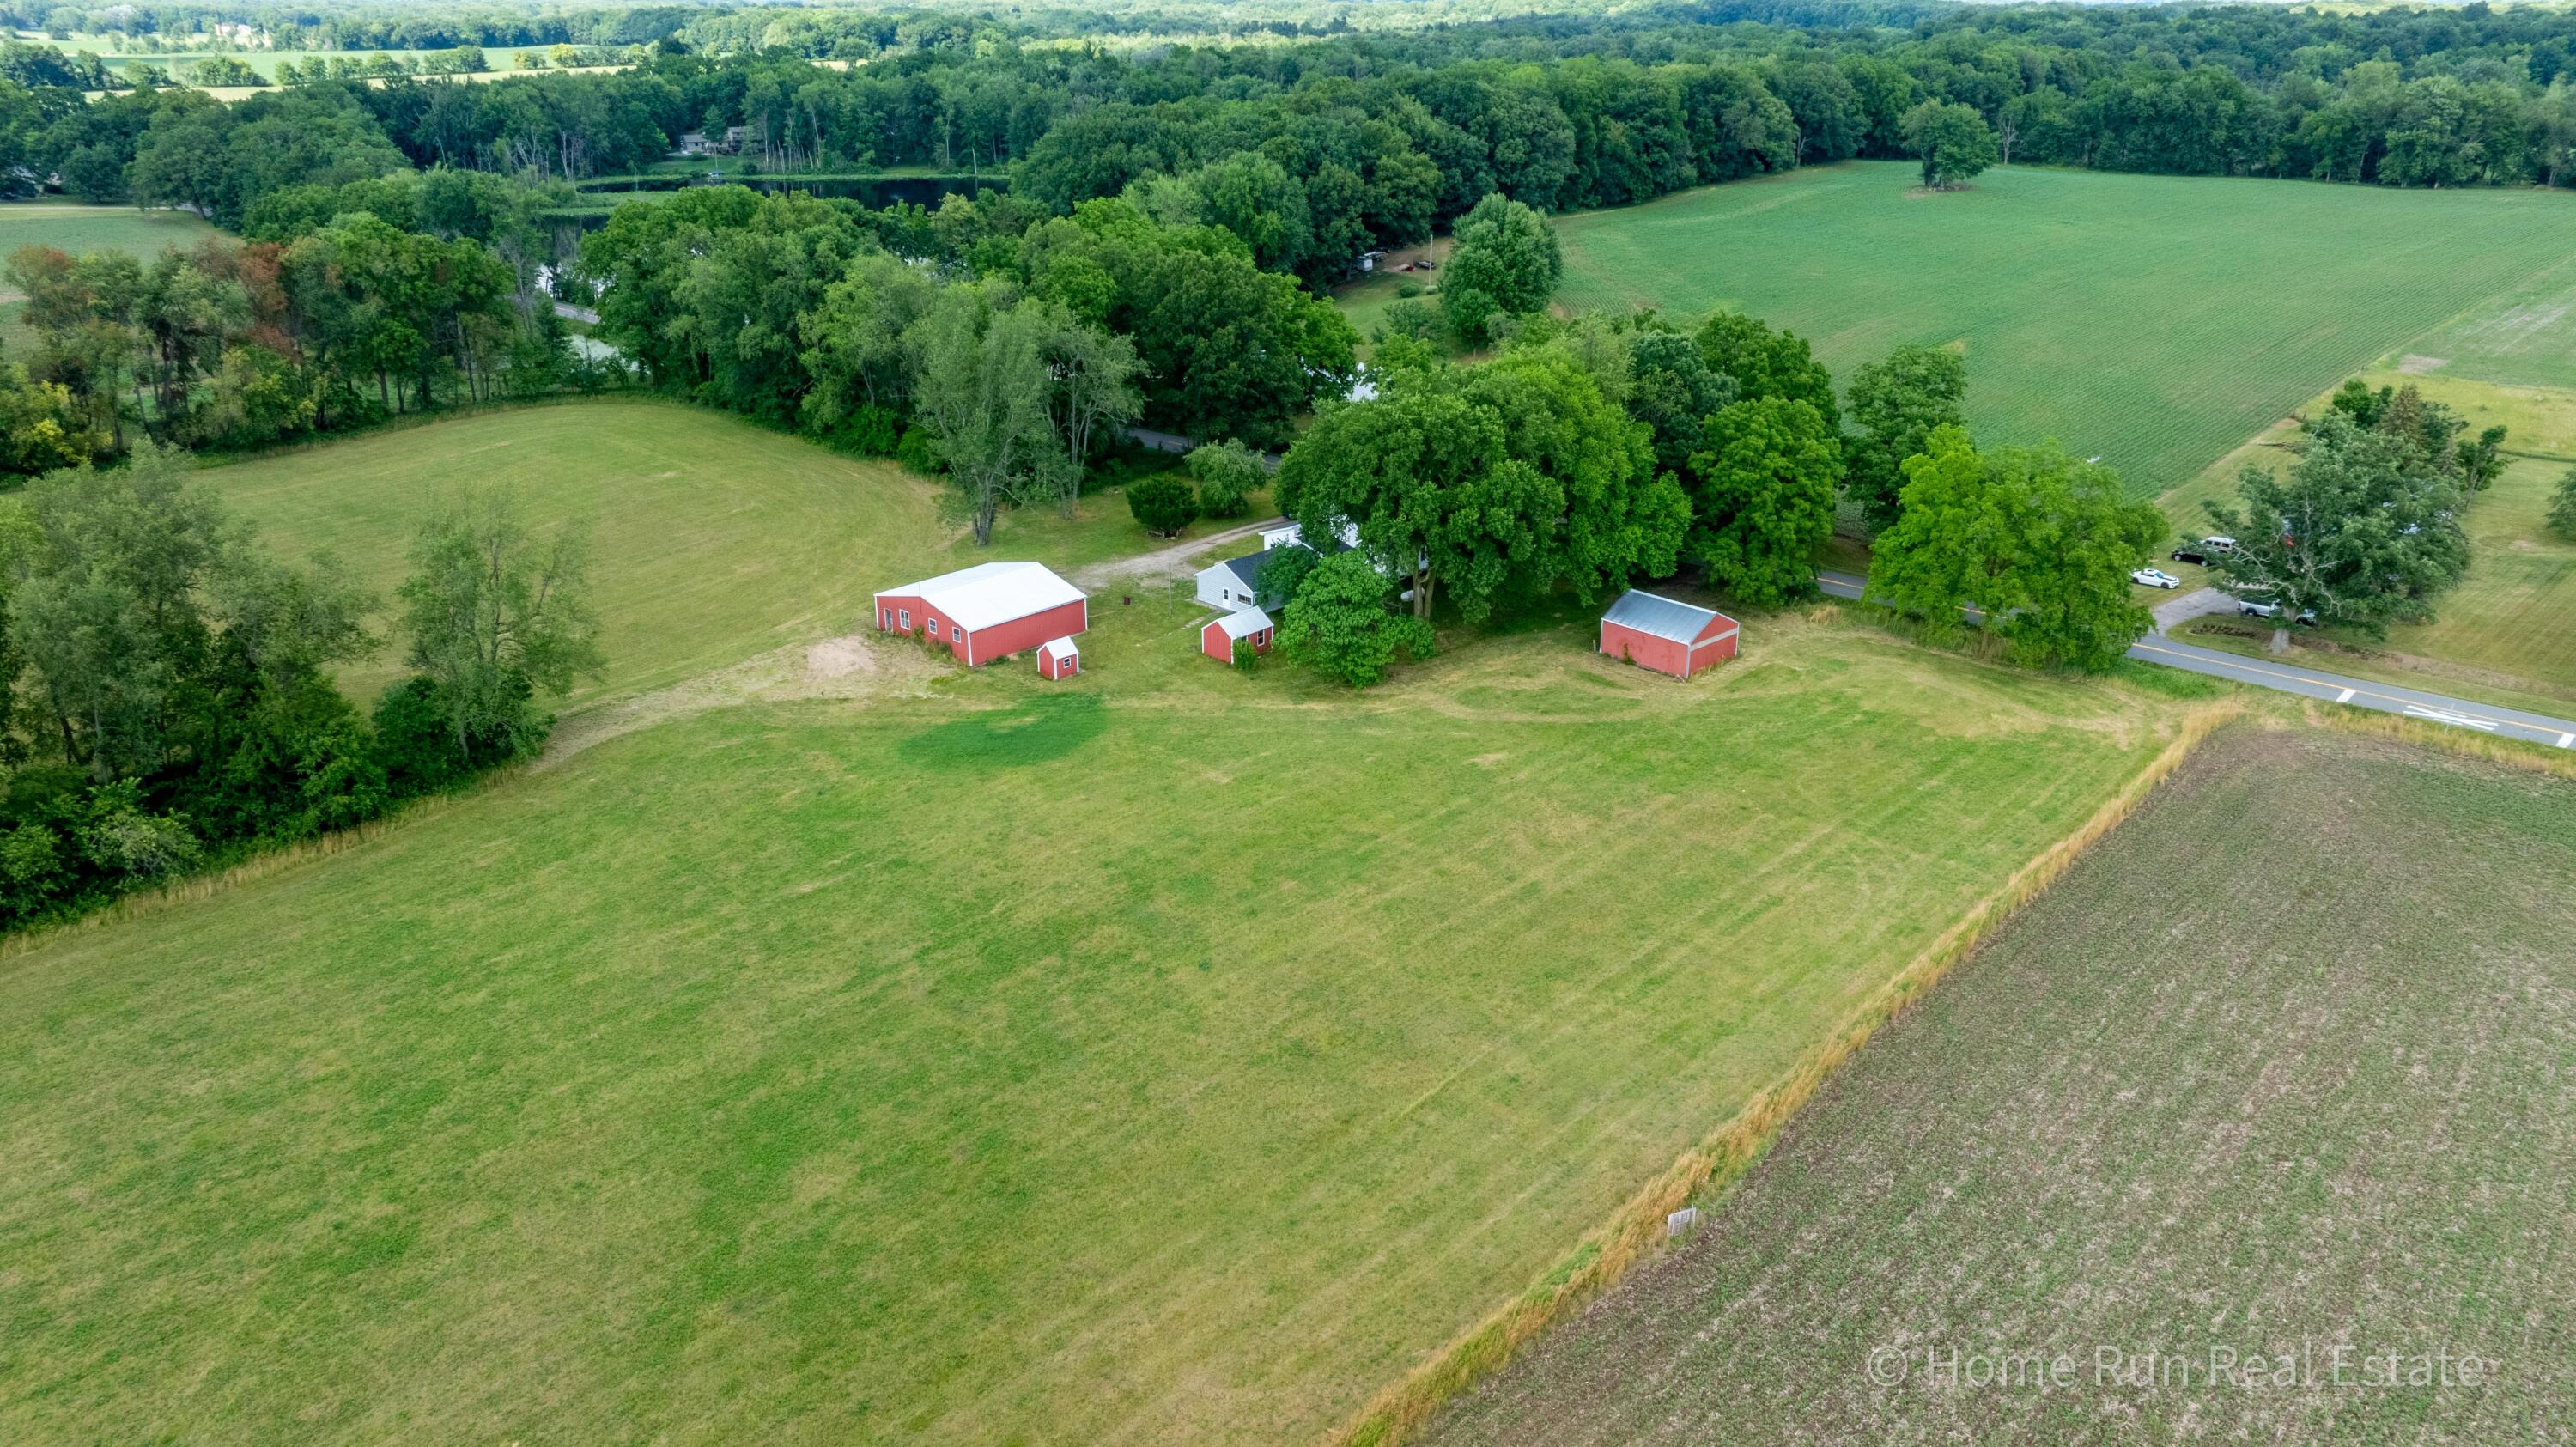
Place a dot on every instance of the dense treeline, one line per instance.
(165, 686)
(1559, 113)
(353, 304)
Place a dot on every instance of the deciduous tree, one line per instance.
(1339, 624)
(495, 613)
(2363, 528)
(1897, 403)
(1952, 141)
(1762, 500)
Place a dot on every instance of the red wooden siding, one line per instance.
(1214, 643)
(1715, 644)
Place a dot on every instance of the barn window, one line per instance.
(956, 634)
(905, 614)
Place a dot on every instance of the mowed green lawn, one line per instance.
(76, 228)
(1173, 1056)
(712, 539)
(2153, 321)
(2281, 1066)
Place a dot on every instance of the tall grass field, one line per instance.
(2153, 321)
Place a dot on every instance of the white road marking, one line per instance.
(2344, 697)
(2567, 741)
(2440, 715)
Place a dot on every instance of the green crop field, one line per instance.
(2281, 1066)
(713, 539)
(1177, 1055)
(2154, 321)
(69, 226)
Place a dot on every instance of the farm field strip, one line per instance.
(2153, 321)
(2179, 1104)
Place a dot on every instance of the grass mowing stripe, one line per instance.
(734, 1072)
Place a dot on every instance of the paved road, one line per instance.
(2314, 683)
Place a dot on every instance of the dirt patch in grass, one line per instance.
(2280, 1068)
(851, 666)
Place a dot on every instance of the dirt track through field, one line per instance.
(853, 665)
(2280, 1067)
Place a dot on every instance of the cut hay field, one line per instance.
(2507, 634)
(2155, 321)
(2280, 1067)
(1176, 1056)
(712, 539)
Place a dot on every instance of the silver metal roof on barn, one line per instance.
(990, 593)
(1659, 617)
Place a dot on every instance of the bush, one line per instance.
(1164, 503)
(2562, 507)
(416, 739)
(1408, 289)
(1412, 320)
(918, 451)
(1228, 473)
(869, 432)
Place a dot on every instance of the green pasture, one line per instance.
(1172, 1056)
(2280, 1067)
(2153, 321)
(76, 228)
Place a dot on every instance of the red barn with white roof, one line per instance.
(1665, 635)
(987, 611)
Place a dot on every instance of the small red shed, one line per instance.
(1218, 635)
(987, 611)
(1059, 659)
(1665, 635)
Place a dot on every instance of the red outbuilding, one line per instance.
(1218, 635)
(1666, 636)
(987, 611)
(1059, 659)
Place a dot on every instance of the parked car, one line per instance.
(2192, 555)
(2154, 578)
(2252, 608)
(2218, 545)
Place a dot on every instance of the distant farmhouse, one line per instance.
(989, 611)
(1236, 582)
(1652, 631)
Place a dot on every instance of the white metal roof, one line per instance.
(1243, 622)
(1659, 616)
(990, 593)
(1060, 649)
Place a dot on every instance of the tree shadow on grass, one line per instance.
(1036, 732)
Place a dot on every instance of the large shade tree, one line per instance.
(2040, 544)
